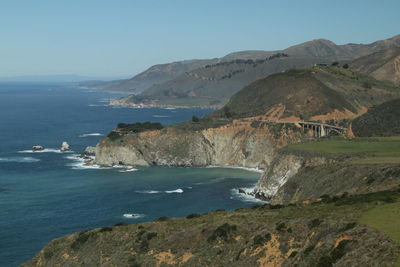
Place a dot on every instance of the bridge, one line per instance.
(318, 129)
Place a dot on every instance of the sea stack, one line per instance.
(64, 147)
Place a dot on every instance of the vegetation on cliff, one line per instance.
(330, 231)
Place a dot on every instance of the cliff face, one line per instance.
(282, 169)
(293, 178)
(235, 144)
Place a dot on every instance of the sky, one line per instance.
(122, 38)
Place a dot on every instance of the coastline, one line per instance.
(119, 103)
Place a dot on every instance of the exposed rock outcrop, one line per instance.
(37, 148)
(89, 151)
(240, 143)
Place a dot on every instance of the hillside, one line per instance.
(317, 93)
(382, 65)
(334, 232)
(173, 73)
(381, 120)
(213, 84)
(154, 75)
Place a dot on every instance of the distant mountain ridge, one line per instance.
(189, 83)
(382, 65)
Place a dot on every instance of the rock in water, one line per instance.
(64, 147)
(89, 151)
(37, 148)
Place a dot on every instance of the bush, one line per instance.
(151, 235)
(140, 126)
(223, 232)
(113, 136)
(195, 119)
(281, 227)
(105, 229)
(259, 240)
(308, 250)
(162, 219)
(314, 223)
(193, 215)
(121, 224)
(346, 66)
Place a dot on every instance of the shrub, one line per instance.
(348, 226)
(280, 227)
(121, 224)
(81, 239)
(113, 136)
(308, 250)
(314, 223)
(151, 235)
(195, 119)
(140, 126)
(223, 232)
(346, 66)
(162, 219)
(105, 229)
(259, 240)
(193, 215)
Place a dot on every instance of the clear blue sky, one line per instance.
(117, 37)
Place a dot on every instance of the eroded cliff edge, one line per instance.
(240, 143)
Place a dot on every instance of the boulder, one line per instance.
(37, 148)
(64, 147)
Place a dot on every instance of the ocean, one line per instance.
(45, 195)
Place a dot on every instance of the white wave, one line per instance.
(83, 164)
(128, 170)
(237, 167)
(46, 150)
(148, 191)
(133, 215)
(91, 134)
(160, 116)
(19, 159)
(245, 197)
(175, 191)
(170, 108)
(97, 105)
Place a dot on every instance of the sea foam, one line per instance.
(133, 215)
(19, 159)
(46, 150)
(91, 134)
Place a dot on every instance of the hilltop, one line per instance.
(382, 65)
(316, 93)
(187, 81)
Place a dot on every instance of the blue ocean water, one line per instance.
(47, 195)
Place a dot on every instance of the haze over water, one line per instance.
(47, 195)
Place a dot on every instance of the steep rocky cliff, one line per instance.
(240, 143)
(295, 176)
